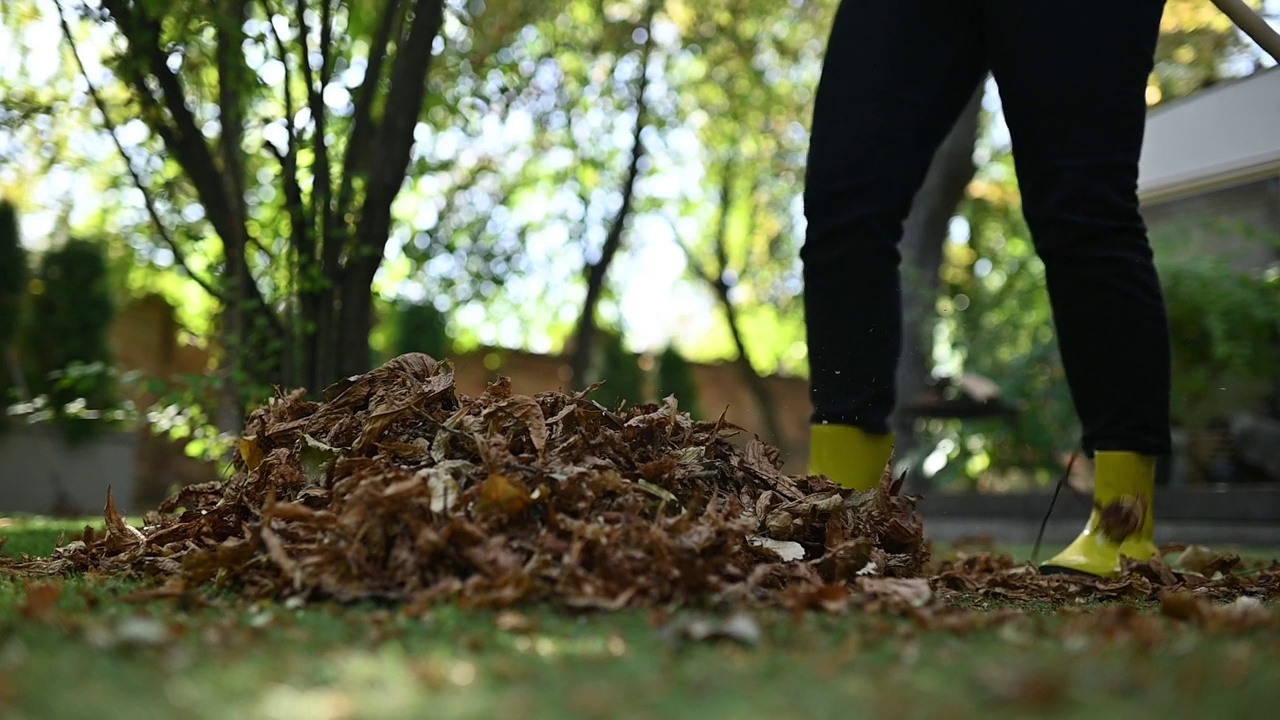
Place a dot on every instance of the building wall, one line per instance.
(1225, 223)
(720, 389)
(145, 338)
(41, 473)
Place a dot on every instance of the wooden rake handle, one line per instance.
(1252, 24)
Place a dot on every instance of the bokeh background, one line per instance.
(206, 203)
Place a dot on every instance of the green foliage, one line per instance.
(675, 377)
(521, 145)
(995, 320)
(13, 284)
(185, 411)
(65, 341)
(13, 275)
(419, 327)
(1225, 326)
(619, 368)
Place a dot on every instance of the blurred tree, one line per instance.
(675, 377)
(64, 342)
(1225, 324)
(596, 270)
(419, 327)
(924, 234)
(748, 70)
(993, 313)
(619, 369)
(286, 129)
(13, 289)
(529, 157)
(720, 276)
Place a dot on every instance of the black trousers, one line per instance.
(1072, 79)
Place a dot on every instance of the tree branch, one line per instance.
(183, 138)
(186, 142)
(597, 272)
(179, 256)
(405, 98)
(232, 73)
(722, 289)
(355, 162)
(302, 236)
(322, 176)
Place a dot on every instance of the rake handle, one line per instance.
(1252, 24)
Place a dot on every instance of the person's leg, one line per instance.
(894, 79)
(1073, 87)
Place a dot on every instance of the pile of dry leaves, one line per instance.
(399, 488)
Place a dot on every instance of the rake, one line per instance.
(1252, 24)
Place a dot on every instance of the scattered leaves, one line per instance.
(738, 627)
(40, 600)
(1122, 517)
(398, 488)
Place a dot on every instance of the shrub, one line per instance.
(620, 370)
(65, 341)
(14, 275)
(675, 377)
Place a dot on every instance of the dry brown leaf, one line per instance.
(912, 592)
(1183, 605)
(514, 622)
(1203, 561)
(528, 413)
(784, 550)
(431, 496)
(116, 525)
(40, 599)
(503, 495)
(1122, 517)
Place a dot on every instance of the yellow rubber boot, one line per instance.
(848, 456)
(1122, 522)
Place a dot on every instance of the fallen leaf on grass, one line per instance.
(910, 592)
(738, 627)
(1245, 613)
(398, 488)
(40, 600)
(1203, 561)
(514, 622)
(132, 631)
(1028, 689)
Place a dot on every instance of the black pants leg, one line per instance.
(895, 77)
(1072, 85)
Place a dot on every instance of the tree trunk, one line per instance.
(239, 325)
(388, 162)
(715, 278)
(924, 233)
(585, 333)
(755, 382)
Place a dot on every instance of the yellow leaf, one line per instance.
(503, 495)
(251, 451)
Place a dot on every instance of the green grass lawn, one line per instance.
(95, 654)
